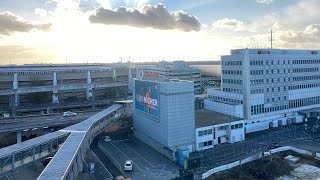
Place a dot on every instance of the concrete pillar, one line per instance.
(15, 89)
(114, 76)
(19, 137)
(80, 163)
(130, 82)
(55, 97)
(15, 81)
(89, 86)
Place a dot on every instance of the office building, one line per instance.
(267, 87)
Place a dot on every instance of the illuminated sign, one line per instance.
(146, 97)
(147, 75)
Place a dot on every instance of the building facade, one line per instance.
(267, 87)
(175, 70)
(34, 86)
(163, 115)
(213, 128)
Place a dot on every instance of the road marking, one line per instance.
(121, 140)
(102, 164)
(161, 171)
(110, 155)
(125, 155)
(138, 154)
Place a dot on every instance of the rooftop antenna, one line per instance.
(271, 39)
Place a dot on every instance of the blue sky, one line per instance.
(36, 31)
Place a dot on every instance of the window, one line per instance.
(200, 133)
(209, 143)
(232, 126)
(205, 132)
(209, 131)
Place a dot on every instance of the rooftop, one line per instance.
(207, 118)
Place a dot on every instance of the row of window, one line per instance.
(223, 99)
(205, 132)
(259, 109)
(267, 90)
(275, 99)
(232, 63)
(300, 70)
(232, 81)
(256, 91)
(271, 62)
(221, 128)
(232, 90)
(275, 80)
(237, 126)
(261, 63)
(204, 144)
(306, 78)
(304, 86)
(306, 61)
(257, 81)
(234, 72)
(304, 102)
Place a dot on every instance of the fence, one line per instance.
(255, 157)
(224, 153)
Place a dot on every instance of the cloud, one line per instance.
(10, 23)
(311, 34)
(226, 23)
(265, 1)
(40, 12)
(157, 17)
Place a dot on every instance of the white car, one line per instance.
(69, 114)
(106, 138)
(128, 165)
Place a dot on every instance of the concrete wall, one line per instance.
(233, 110)
(255, 157)
(175, 126)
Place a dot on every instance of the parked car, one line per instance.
(106, 138)
(69, 114)
(128, 165)
(46, 161)
(274, 146)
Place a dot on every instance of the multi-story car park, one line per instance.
(163, 115)
(165, 118)
(267, 87)
(45, 85)
(175, 70)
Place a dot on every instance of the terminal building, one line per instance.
(267, 87)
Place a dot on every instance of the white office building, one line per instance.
(267, 87)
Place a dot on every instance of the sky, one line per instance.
(104, 31)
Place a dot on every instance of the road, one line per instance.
(18, 124)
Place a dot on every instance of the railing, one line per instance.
(67, 162)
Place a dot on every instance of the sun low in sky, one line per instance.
(81, 31)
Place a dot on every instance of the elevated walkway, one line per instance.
(70, 143)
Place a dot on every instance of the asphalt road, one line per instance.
(14, 125)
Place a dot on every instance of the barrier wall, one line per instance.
(256, 157)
